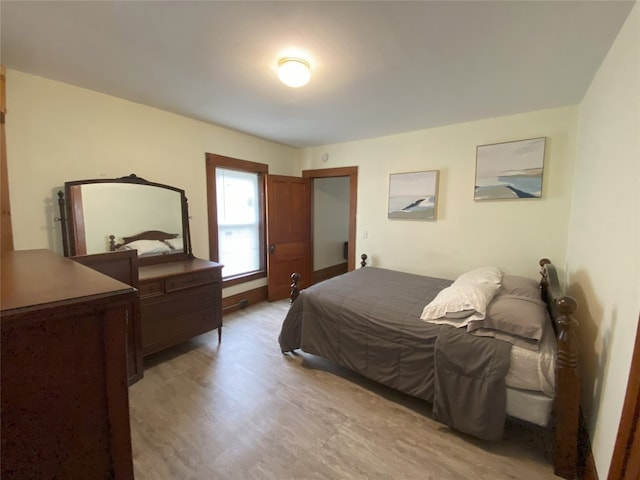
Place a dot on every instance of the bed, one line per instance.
(475, 365)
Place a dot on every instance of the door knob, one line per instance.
(272, 248)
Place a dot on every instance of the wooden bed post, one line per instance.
(567, 401)
(295, 289)
(565, 451)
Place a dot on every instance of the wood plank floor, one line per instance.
(243, 410)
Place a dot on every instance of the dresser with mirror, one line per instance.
(180, 296)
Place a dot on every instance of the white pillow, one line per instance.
(175, 243)
(145, 247)
(490, 275)
(460, 299)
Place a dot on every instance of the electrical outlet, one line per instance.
(365, 235)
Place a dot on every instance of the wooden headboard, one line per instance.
(567, 403)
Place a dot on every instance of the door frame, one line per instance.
(629, 420)
(6, 229)
(352, 173)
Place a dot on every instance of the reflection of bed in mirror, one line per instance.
(150, 243)
(180, 295)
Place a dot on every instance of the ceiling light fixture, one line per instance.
(294, 72)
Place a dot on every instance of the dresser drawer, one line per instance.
(189, 280)
(178, 316)
(179, 300)
(151, 289)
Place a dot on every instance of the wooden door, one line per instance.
(288, 234)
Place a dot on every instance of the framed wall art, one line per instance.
(510, 170)
(413, 196)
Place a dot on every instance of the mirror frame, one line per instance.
(72, 219)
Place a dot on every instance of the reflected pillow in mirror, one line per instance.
(147, 247)
(175, 243)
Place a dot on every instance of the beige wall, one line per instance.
(57, 132)
(604, 236)
(510, 234)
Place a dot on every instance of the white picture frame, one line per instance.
(510, 170)
(413, 195)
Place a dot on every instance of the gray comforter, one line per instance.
(368, 320)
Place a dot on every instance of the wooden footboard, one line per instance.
(295, 289)
(295, 278)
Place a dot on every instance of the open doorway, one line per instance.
(330, 204)
(333, 220)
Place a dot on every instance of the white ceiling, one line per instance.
(378, 68)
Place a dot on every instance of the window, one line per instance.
(236, 228)
(238, 221)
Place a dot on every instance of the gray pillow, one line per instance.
(520, 286)
(517, 310)
(516, 315)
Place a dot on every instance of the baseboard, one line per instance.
(244, 299)
(329, 272)
(586, 463)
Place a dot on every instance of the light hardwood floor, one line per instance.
(243, 410)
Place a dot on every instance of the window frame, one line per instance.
(214, 161)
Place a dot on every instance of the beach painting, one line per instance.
(412, 196)
(510, 170)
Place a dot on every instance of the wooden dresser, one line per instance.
(179, 300)
(65, 404)
(123, 266)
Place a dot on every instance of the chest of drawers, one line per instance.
(123, 266)
(64, 404)
(179, 300)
